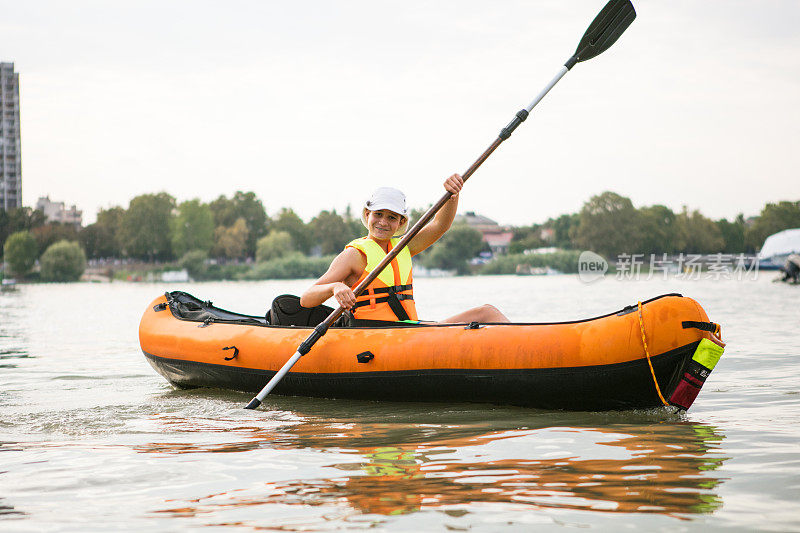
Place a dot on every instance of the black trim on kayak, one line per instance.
(222, 316)
(598, 387)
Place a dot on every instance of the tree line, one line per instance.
(609, 224)
(157, 228)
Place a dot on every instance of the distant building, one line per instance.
(10, 151)
(57, 212)
(496, 236)
(547, 234)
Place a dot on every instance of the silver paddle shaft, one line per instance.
(546, 90)
(255, 402)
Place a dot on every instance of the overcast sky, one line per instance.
(313, 104)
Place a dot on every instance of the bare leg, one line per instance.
(484, 313)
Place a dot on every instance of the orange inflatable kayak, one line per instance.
(593, 364)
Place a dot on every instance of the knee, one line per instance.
(488, 311)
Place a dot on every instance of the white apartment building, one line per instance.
(10, 150)
(58, 212)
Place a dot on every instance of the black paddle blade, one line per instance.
(604, 30)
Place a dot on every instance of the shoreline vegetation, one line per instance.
(298, 266)
(234, 239)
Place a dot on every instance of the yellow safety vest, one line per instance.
(391, 295)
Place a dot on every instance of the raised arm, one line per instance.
(441, 221)
(344, 271)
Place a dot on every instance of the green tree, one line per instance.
(231, 242)
(18, 219)
(732, 234)
(460, 244)
(111, 218)
(355, 225)
(5, 230)
(273, 245)
(773, 218)
(53, 232)
(224, 212)
(244, 205)
(145, 227)
(192, 228)
(63, 261)
(657, 230)
(564, 228)
(697, 234)
(102, 239)
(609, 225)
(330, 232)
(91, 239)
(194, 261)
(20, 252)
(526, 238)
(288, 221)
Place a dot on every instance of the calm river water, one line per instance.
(94, 440)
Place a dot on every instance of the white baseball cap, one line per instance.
(387, 198)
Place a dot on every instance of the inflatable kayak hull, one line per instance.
(594, 364)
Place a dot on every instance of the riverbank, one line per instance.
(295, 266)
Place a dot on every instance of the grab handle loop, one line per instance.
(713, 327)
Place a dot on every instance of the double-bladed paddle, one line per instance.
(604, 31)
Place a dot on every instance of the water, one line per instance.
(94, 440)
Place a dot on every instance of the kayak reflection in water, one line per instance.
(405, 462)
(390, 296)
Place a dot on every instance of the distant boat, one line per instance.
(422, 272)
(527, 270)
(777, 248)
(175, 276)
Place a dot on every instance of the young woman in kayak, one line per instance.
(390, 296)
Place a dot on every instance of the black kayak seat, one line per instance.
(287, 311)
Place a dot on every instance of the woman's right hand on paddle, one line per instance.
(453, 184)
(344, 295)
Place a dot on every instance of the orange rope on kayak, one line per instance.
(647, 353)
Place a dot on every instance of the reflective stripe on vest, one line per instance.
(390, 296)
